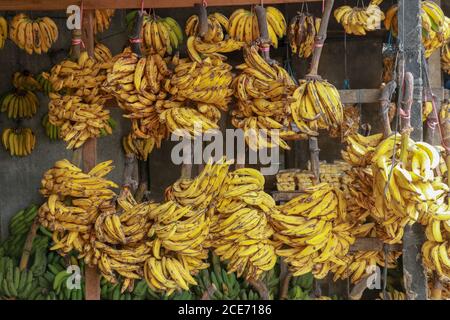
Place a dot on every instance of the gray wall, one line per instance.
(20, 177)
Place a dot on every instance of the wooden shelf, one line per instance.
(46, 5)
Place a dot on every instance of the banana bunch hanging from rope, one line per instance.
(243, 25)
(82, 78)
(240, 231)
(302, 32)
(78, 121)
(359, 149)
(52, 131)
(311, 231)
(217, 27)
(435, 25)
(317, 105)
(264, 94)
(3, 31)
(33, 35)
(20, 142)
(358, 21)
(102, 19)
(198, 48)
(445, 58)
(20, 104)
(159, 35)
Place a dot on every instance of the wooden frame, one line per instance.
(46, 5)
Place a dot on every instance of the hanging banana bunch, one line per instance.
(359, 149)
(33, 35)
(102, 19)
(19, 142)
(25, 81)
(141, 148)
(240, 231)
(159, 35)
(302, 32)
(20, 104)
(3, 31)
(350, 126)
(213, 40)
(78, 121)
(317, 105)
(243, 25)
(358, 21)
(436, 250)
(312, 232)
(435, 25)
(44, 82)
(264, 93)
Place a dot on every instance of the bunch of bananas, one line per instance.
(352, 119)
(213, 40)
(317, 105)
(160, 35)
(13, 281)
(52, 131)
(102, 19)
(302, 32)
(435, 25)
(243, 25)
(264, 94)
(286, 180)
(198, 49)
(359, 149)
(141, 148)
(78, 121)
(20, 104)
(25, 81)
(137, 84)
(33, 36)
(436, 251)
(240, 231)
(81, 78)
(74, 202)
(357, 20)
(44, 82)
(102, 53)
(20, 142)
(311, 231)
(3, 31)
(405, 187)
(445, 58)
(394, 295)
(217, 26)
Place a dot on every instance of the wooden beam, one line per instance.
(48, 5)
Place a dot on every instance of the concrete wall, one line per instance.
(20, 177)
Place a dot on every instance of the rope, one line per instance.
(204, 3)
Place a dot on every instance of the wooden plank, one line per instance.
(48, 5)
(89, 156)
(373, 95)
(373, 244)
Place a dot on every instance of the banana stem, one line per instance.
(405, 116)
(135, 35)
(436, 291)
(386, 93)
(314, 158)
(202, 19)
(28, 245)
(263, 33)
(75, 50)
(320, 39)
(261, 288)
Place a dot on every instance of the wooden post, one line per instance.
(410, 38)
(202, 19)
(89, 156)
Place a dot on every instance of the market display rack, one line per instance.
(87, 155)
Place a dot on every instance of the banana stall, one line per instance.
(108, 109)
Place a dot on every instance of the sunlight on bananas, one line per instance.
(19, 142)
(358, 21)
(33, 35)
(435, 25)
(302, 32)
(243, 25)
